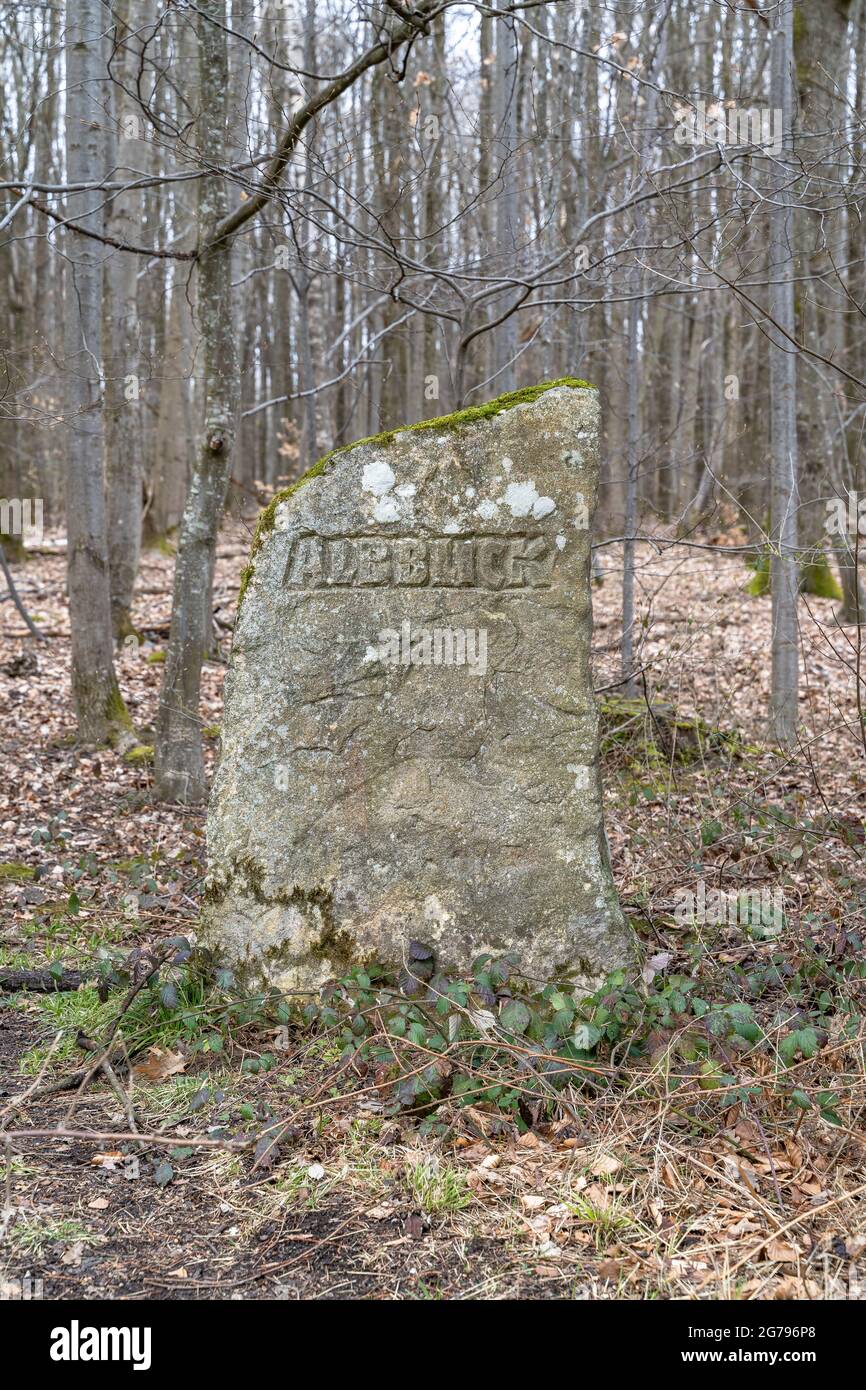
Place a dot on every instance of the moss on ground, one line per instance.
(17, 873)
(458, 419)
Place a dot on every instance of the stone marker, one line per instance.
(410, 747)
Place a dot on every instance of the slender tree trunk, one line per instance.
(636, 332)
(177, 392)
(507, 211)
(783, 403)
(94, 688)
(175, 428)
(123, 398)
(179, 763)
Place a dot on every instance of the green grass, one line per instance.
(145, 1024)
(171, 1099)
(18, 1167)
(295, 1183)
(67, 1013)
(32, 1237)
(67, 930)
(606, 1222)
(437, 1187)
(15, 960)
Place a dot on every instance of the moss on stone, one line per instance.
(815, 577)
(333, 944)
(140, 753)
(13, 549)
(470, 415)
(163, 544)
(267, 517)
(124, 627)
(655, 734)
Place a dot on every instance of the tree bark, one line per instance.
(94, 688)
(179, 762)
(506, 212)
(783, 401)
(123, 397)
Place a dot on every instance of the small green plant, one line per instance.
(606, 1221)
(33, 1236)
(490, 1040)
(437, 1188)
(68, 1013)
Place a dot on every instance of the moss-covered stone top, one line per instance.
(471, 415)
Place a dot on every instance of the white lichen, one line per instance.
(377, 478)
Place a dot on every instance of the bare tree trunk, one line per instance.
(179, 763)
(631, 490)
(124, 406)
(94, 688)
(178, 397)
(636, 332)
(783, 402)
(507, 212)
(175, 428)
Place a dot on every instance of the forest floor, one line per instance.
(733, 1171)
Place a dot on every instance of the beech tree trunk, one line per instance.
(123, 396)
(179, 763)
(507, 211)
(94, 687)
(783, 401)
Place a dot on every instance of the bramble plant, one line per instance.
(730, 1035)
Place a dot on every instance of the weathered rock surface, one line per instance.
(410, 741)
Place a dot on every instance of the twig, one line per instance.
(102, 1136)
(16, 598)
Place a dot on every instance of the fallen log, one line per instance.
(43, 981)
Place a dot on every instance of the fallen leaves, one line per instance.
(782, 1252)
(605, 1165)
(159, 1064)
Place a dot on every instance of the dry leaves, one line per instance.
(159, 1064)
